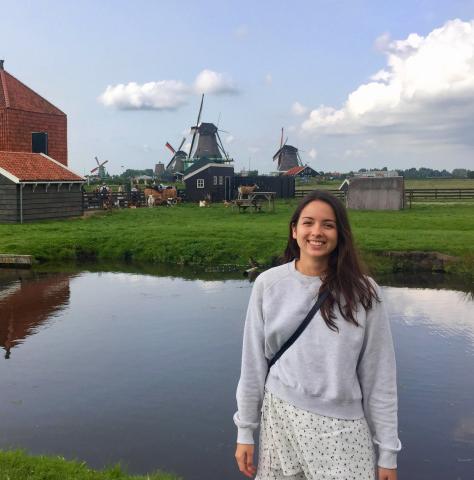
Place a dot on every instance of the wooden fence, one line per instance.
(416, 194)
(94, 201)
(437, 194)
(337, 193)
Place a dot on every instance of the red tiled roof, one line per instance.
(35, 167)
(14, 94)
(294, 171)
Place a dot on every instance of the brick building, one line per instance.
(35, 182)
(28, 122)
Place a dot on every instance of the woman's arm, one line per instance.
(387, 473)
(244, 457)
(377, 376)
(253, 371)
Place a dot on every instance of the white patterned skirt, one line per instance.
(299, 445)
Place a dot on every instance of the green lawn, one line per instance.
(17, 465)
(187, 234)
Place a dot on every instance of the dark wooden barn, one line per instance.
(207, 180)
(33, 186)
(283, 186)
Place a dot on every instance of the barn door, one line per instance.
(227, 190)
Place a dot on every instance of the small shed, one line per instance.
(206, 179)
(34, 186)
(375, 193)
(283, 186)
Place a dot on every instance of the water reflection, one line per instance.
(27, 303)
(157, 358)
(446, 312)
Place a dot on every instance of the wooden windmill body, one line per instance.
(287, 156)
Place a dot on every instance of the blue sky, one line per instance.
(354, 83)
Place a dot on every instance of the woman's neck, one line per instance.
(314, 269)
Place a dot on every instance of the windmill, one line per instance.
(100, 168)
(176, 164)
(209, 143)
(287, 156)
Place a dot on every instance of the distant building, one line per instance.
(303, 171)
(377, 173)
(143, 178)
(159, 169)
(209, 180)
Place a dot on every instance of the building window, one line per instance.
(215, 180)
(39, 142)
(221, 180)
(200, 183)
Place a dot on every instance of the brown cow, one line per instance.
(165, 196)
(246, 189)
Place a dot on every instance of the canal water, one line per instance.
(142, 369)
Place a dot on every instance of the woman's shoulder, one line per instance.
(373, 283)
(273, 275)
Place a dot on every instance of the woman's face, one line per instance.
(316, 232)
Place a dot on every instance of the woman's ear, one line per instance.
(293, 230)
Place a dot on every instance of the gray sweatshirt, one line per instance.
(347, 374)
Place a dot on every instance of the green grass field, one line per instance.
(187, 234)
(16, 465)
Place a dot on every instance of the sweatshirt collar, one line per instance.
(301, 277)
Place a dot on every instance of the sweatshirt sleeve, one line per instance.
(377, 376)
(253, 371)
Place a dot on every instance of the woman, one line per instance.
(332, 395)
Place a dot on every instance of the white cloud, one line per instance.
(313, 153)
(217, 83)
(298, 109)
(165, 94)
(162, 95)
(229, 139)
(425, 92)
(254, 149)
(268, 79)
(382, 42)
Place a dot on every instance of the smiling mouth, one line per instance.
(317, 243)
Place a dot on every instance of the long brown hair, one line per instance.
(345, 277)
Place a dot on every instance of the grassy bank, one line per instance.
(188, 234)
(16, 465)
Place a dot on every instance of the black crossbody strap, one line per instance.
(300, 329)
